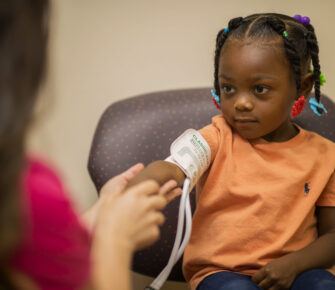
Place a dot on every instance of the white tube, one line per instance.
(178, 248)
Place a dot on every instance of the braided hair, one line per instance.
(300, 43)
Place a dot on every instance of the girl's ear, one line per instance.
(307, 82)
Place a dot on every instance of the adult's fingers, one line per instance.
(167, 186)
(158, 218)
(169, 190)
(148, 187)
(132, 171)
(173, 194)
(149, 236)
(157, 202)
(118, 183)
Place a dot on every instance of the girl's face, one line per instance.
(257, 89)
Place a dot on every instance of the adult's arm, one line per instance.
(122, 222)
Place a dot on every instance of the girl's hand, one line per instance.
(277, 275)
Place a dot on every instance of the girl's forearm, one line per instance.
(161, 172)
(319, 254)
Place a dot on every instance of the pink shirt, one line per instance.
(55, 249)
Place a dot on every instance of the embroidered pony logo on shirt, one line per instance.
(307, 189)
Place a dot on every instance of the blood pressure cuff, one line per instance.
(191, 153)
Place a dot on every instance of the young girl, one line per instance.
(265, 216)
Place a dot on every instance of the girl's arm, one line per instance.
(319, 254)
(161, 172)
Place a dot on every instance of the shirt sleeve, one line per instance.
(327, 198)
(211, 135)
(56, 250)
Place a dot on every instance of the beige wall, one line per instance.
(107, 50)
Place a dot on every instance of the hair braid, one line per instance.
(291, 52)
(313, 47)
(220, 40)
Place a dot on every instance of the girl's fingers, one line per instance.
(266, 284)
(258, 276)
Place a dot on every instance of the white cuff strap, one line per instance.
(191, 153)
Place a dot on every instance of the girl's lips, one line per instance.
(245, 120)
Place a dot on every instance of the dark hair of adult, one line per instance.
(300, 44)
(23, 41)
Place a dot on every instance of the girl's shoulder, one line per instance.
(317, 139)
(215, 134)
(217, 127)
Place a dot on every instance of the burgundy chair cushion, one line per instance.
(141, 129)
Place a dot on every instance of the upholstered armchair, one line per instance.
(141, 129)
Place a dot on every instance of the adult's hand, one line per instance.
(127, 220)
(116, 186)
(112, 187)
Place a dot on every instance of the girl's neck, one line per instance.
(283, 133)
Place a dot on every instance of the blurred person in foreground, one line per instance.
(44, 244)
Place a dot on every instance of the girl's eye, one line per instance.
(261, 90)
(227, 89)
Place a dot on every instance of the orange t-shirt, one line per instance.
(257, 200)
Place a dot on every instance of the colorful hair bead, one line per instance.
(322, 78)
(317, 107)
(216, 100)
(226, 30)
(285, 33)
(298, 107)
(304, 20)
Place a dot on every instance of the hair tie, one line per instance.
(317, 107)
(216, 100)
(304, 20)
(285, 33)
(226, 30)
(322, 77)
(298, 107)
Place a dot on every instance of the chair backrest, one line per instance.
(141, 129)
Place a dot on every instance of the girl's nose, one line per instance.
(243, 103)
